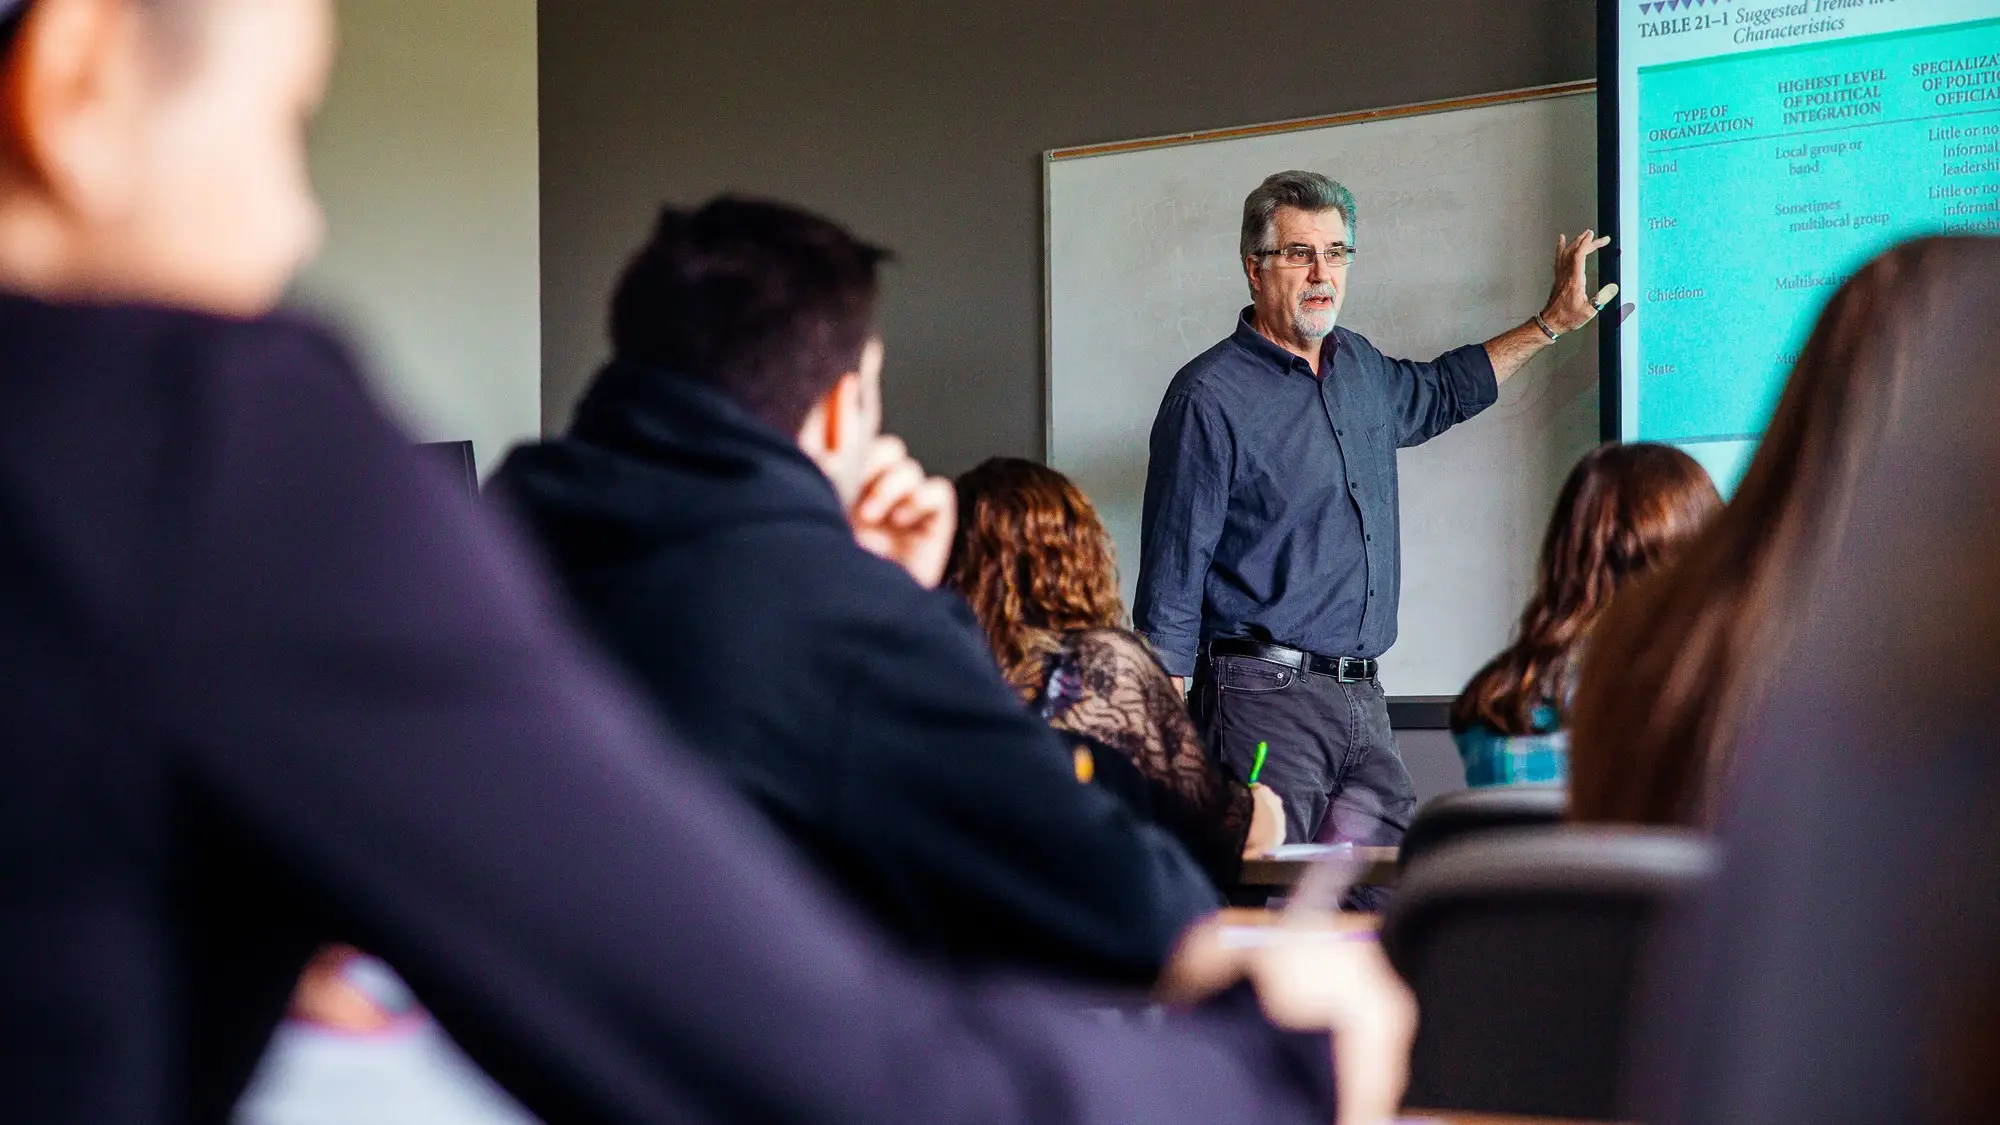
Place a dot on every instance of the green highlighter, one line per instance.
(1257, 766)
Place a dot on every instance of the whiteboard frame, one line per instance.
(1054, 156)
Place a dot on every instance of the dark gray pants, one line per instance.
(1332, 755)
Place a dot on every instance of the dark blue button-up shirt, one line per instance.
(1271, 493)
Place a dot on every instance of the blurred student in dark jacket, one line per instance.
(269, 682)
(731, 521)
(1845, 968)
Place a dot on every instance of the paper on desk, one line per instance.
(1309, 851)
(1257, 937)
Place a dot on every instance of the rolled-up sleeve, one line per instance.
(1431, 398)
(1187, 498)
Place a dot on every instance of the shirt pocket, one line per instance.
(1371, 464)
(1382, 445)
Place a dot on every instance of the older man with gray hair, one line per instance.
(1270, 557)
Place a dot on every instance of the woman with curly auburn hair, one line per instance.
(1035, 564)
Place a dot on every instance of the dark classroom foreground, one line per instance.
(270, 686)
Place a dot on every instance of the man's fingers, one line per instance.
(1589, 242)
(1571, 252)
(883, 453)
(920, 505)
(1581, 255)
(887, 489)
(1604, 295)
(890, 489)
(903, 499)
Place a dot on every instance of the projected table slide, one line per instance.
(1769, 150)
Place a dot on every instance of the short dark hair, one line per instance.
(767, 303)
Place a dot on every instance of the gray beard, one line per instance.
(1314, 326)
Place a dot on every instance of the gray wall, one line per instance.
(920, 124)
(425, 159)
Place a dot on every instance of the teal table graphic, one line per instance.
(1765, 178)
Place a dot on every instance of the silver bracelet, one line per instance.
(1551, 333)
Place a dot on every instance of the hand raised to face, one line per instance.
(903, 514)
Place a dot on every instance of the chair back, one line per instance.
(1524, 949)
(1453, 816)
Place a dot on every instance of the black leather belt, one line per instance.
(1346, 669)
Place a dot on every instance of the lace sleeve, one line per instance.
(1122, 697)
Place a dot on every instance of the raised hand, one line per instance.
(1571, 304)
(903, 514)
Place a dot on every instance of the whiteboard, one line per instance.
(1459, 205)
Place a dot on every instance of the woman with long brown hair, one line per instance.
(1844, 966)
(1680, 662)
(1035, 564)
(1624, 510)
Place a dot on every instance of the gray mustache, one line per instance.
(1311, 291)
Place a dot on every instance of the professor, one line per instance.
(1270, 558)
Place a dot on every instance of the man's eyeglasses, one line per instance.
(1300, 256)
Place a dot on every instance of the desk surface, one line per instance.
(1378, 870)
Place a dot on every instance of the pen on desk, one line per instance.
(1257, 766)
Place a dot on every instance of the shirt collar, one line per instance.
(1249, 339)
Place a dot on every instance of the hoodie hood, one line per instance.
(654, 457)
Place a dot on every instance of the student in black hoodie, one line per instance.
(731, 522)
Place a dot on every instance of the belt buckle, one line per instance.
(1341, 673)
